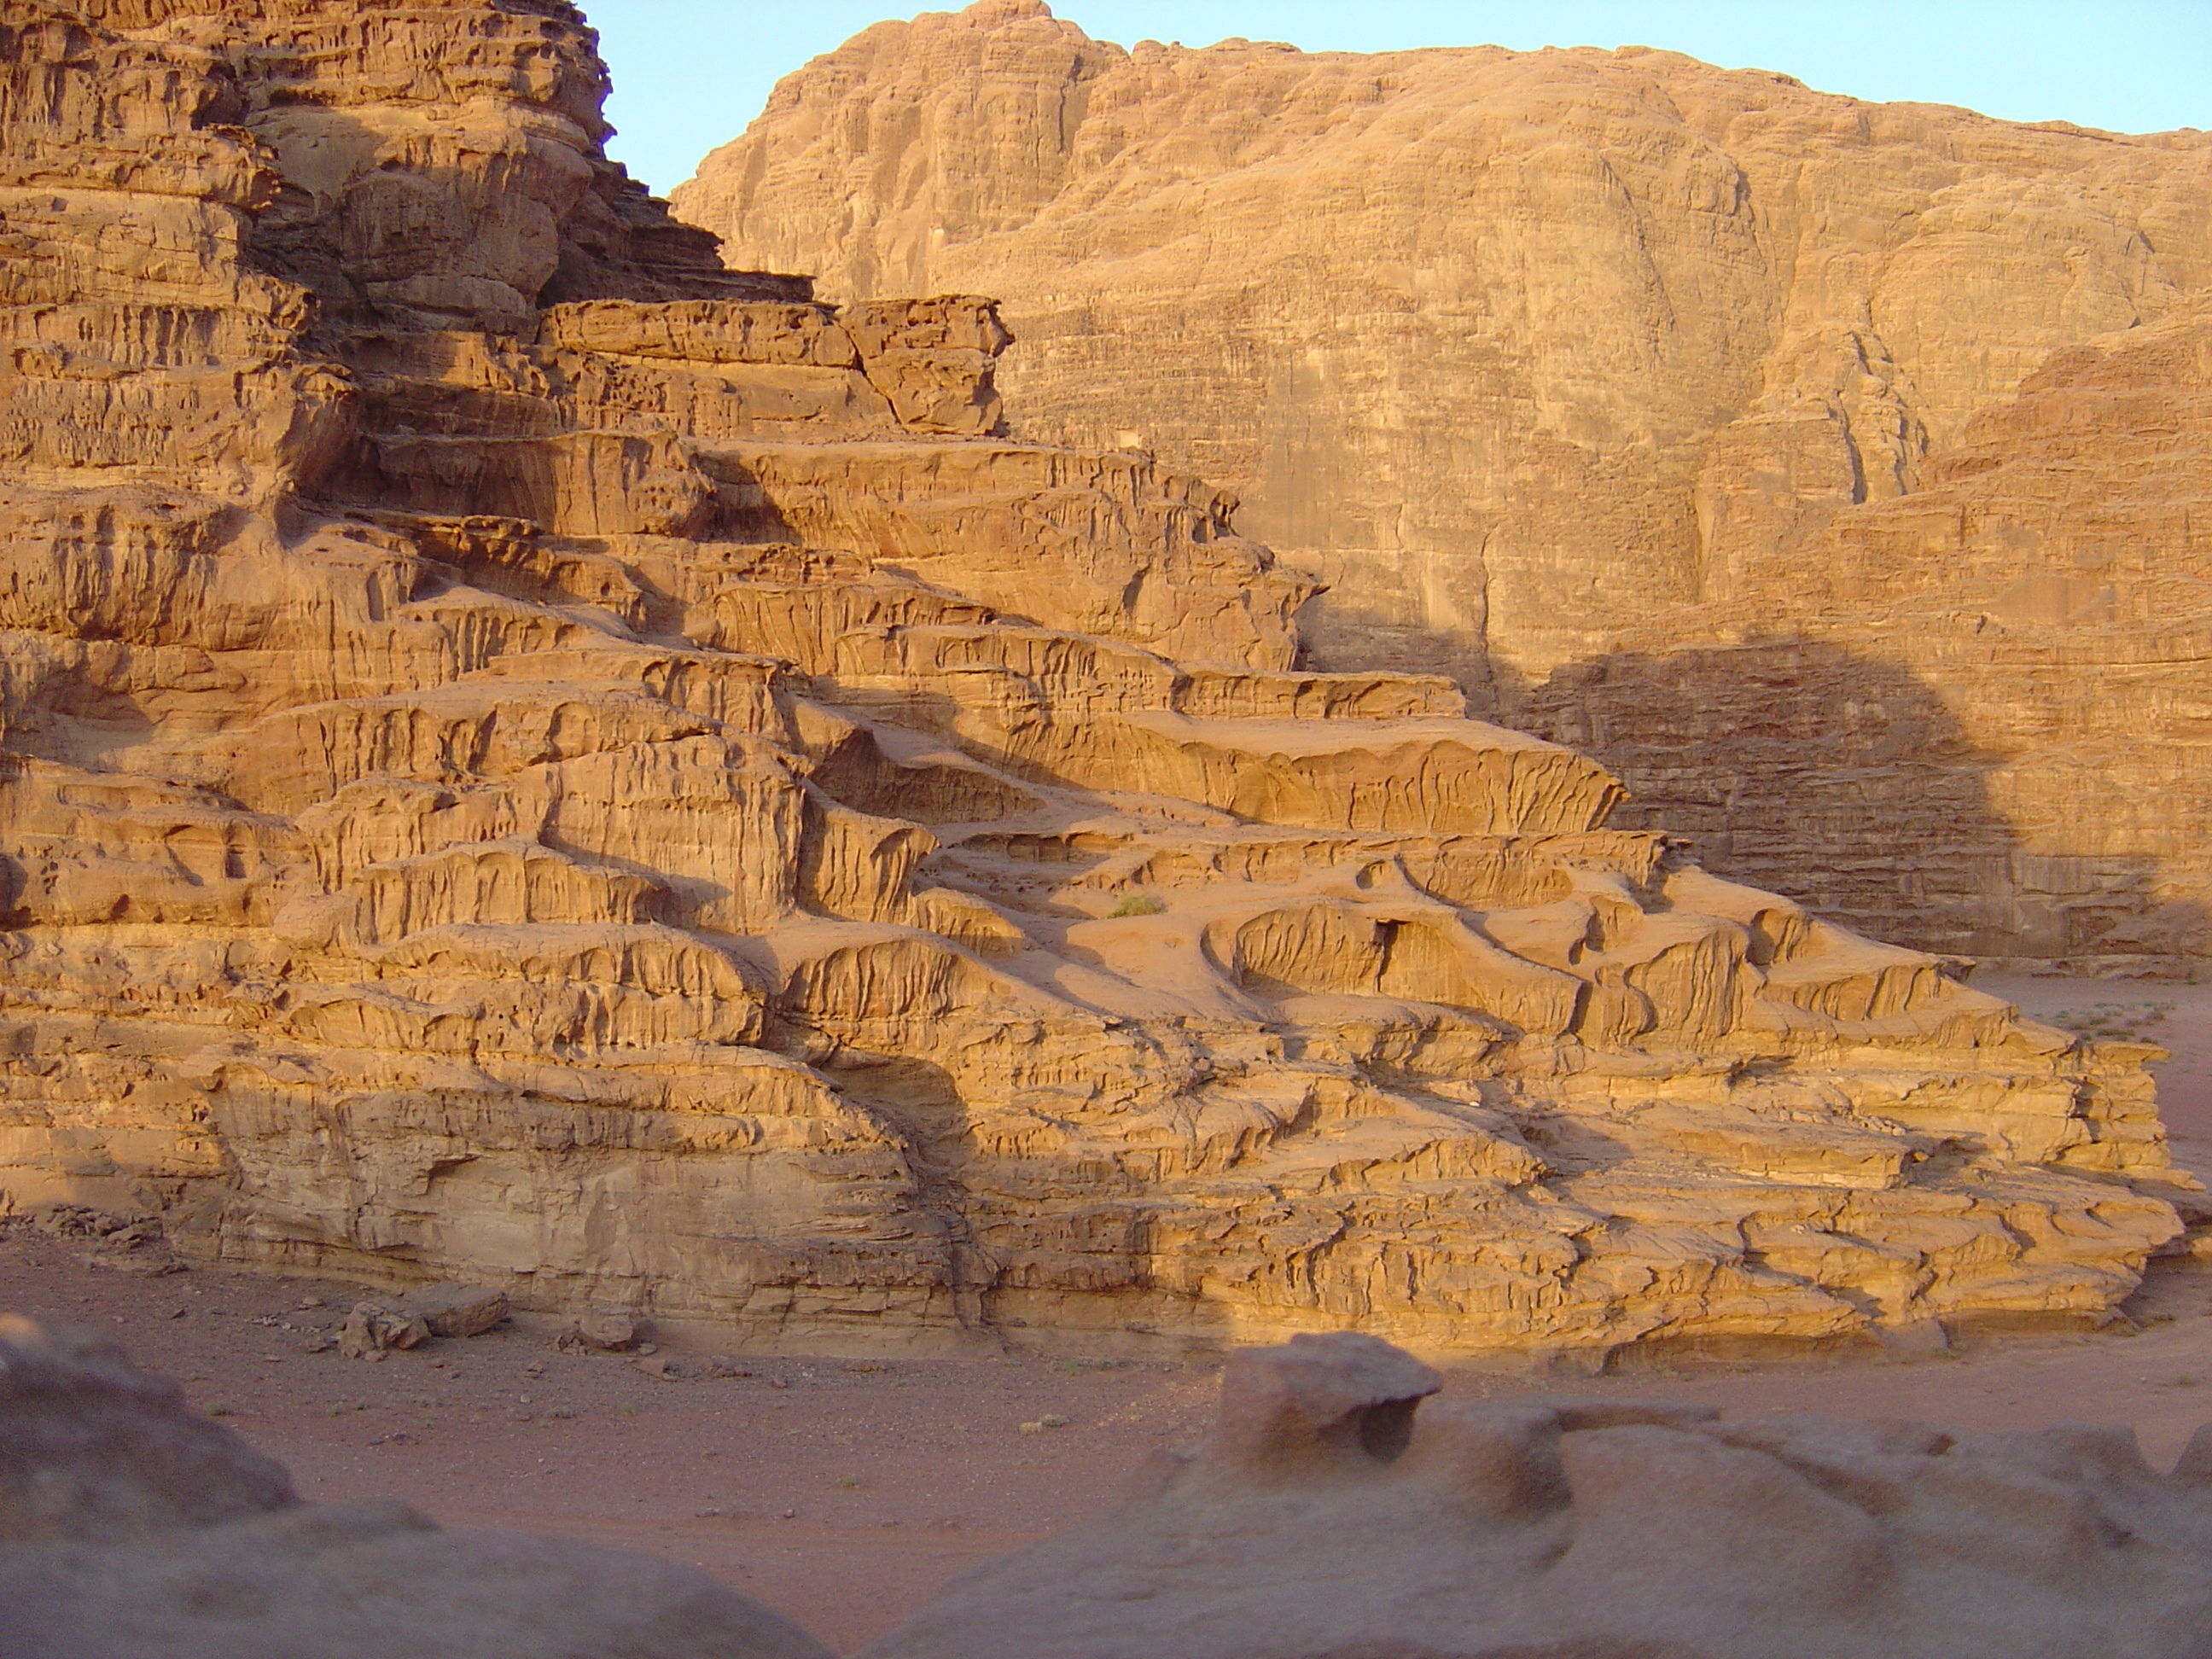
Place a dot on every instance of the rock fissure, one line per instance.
(564, 766)
(1802, 459)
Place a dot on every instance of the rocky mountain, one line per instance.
(1837, 473)
(528, 756)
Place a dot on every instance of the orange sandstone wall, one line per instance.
(1725, 427)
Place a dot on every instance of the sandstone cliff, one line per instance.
(1725, 428)
(526, 755)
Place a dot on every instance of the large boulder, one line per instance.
(1325, 1520)
(91, 1448)
(130, 1528)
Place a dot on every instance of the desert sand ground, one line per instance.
(847, 1492)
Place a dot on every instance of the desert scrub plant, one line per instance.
(1135, 904)
(2129, 1022)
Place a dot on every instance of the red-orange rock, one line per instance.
(530, 758)
(1637, 395)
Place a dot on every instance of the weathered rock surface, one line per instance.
(1325, 1518)
(1835, 472)
(131, 1528)
(371, 1328)
(530, 758)
(90, 1447)
(459, 1309)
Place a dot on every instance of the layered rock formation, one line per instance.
(134, 1529)
(1737, 433)
(1334, 1514)
(531, 757)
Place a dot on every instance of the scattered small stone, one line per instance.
(722, 1365)
(75, 1221)
(788, 1515)
(155, 1263)
(307, 1302)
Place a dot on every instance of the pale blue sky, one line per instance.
(689, 74)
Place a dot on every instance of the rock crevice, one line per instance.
(1834, 473)
(528, 757)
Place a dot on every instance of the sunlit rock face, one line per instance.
(531, 757)
(1837, 473)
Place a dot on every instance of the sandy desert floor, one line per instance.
(847, 1492)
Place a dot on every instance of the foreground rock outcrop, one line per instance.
(528, 757)
(133, 1527)
(1837, 473)
(1330, 1512)
(1328, 1517)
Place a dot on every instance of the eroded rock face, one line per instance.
(1588, 1530)
(134, 1529)
(530, 758)
(1740, 434)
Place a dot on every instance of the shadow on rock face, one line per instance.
(130, 1528)
(1327, 1520)
(1857, 786)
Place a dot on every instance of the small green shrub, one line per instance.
(1135, 904)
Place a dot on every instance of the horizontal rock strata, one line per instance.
(1837, 473)
(528, 757)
